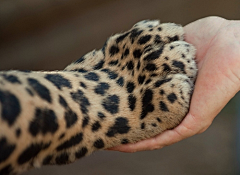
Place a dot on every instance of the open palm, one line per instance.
(218, 58)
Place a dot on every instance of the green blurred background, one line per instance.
(50, 34)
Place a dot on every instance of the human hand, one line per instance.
(217, 41)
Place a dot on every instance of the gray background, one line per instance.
(50, 34)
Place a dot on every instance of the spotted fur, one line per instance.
(138, 85)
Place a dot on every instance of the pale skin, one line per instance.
(217, 41)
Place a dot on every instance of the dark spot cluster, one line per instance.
(32, 151)
(147, 105)
(6, 149)
(58, 80)
(120, 81)
(40, 89)
(179, 65)
(81, 152)
(144, 39)
(130, 87)
(99, 144)
(163, 106)
(99, 65)
(44, 121)
(172, 97)
(111, 103)
(113, 50)
(10, 107)
(120, 127)
(101, 88)
(111, 74)
(135, 33)
(161, 82)
(132, 101)
(122, 37)
(74, 140)
(154, 55)
(11, 78)
(79, 60)
(92, 76)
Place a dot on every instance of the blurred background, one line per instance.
(50, 34)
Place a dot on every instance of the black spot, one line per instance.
(59, 81)
(154, 75)
(166, 58)
(161, 82)
(154, 124)
(61, 136)
(63, 102)
(124, 141)
(183, 55)
(154, 55)
(111, 74)
(62, 158)
(113, 63)
(6, 170)
(163, 106)
(162, 92)
(70, 118)
(120, 38)
(30, 152)
(132, 102)
(98, 144)
(85, 121)
(29, 92)
(11, 78)
(157, 39)
(92, 76)
(10, 107)
(82, 100)
(135, 33)
(113, 50)
(174, 38)
(99, 65)
(130, 65)
(143, 126)
(18, 132)
(172, 97)
(120, 127)
(144, 39)
(82, 152)
(101, 88)
(44, 121)
(147, 106)
(159, 29)
(74, 140)
(147, 48)
(79, 60)
(104, 47)
(130, 87)
(96, 126)
(141, 79)
(137, 53)
(83, 85)
(101, 115)
(171, 47)
(151, 67)
(41, 90)
(159, 120)
(6, 149)
(80, 70)
(166, 68)
(179, 65)
(111, 104)
(148, 81)
(120, 81)
(126, 53)
(47, 160)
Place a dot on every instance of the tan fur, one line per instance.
(170, 99)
